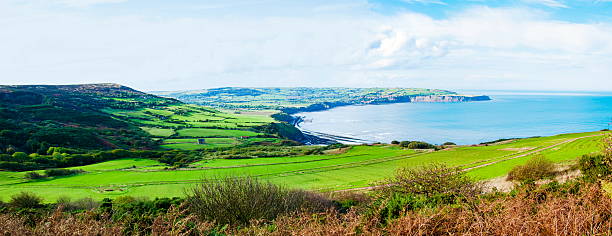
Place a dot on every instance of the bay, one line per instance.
(510, 114)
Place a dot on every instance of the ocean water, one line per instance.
(509, 115)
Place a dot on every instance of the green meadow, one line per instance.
(182, 121)
(359, 166)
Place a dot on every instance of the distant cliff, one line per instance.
(387, 100)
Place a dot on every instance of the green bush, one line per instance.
(416, 145)
(62, 172)
(34, 175)
(427, 186)
(594, 166)
(430, 180)
(449, 144)
(67, 204)
(26, 200)
(238, 201)
(536, 168)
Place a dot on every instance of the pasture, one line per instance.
(360, 166)
(192, 121)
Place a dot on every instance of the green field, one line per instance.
(358, 167)
(215, 133)
(159, 132)
(193, 121)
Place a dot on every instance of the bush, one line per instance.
(62, 172)
(82, 204)
(34, 175)
(427, 186)
(536, 168)
(430, 180)
(238, 201)
(416, 145)
(593, 166)
(395, 142)
(449, 144)
(26, 200)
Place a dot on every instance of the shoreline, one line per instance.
(388, 100)
(317, 138)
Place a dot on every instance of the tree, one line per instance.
(20, 156)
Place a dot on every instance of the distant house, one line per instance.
(201, 141)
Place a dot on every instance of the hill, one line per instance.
(293, 100)
(34, 118)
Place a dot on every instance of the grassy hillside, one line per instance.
(355, 167)
(179, 126)
(34, 118)
(109, 116)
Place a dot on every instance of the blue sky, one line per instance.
(193, 44)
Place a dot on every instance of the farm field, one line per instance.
(182, 121)
(359, 166)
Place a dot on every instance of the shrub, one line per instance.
(449, 144)
(536, 168)
(416, 145)
(238, 201)
(420, 145)
(607, 150)
(404, 143)
(593, 166)
(427, 186)
(430, 180)
(34, 175)
(62, 172)
(67, 204)
(345, 201)
(395, 142)
(26, 200)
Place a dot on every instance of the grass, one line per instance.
(159, 132)
(194, 132)
(358, 167)
(193, 121)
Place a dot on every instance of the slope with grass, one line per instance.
(88, 117)
(180, 126)
(355, 167)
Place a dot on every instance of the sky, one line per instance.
(162, 45)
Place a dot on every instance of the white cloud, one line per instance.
(548, 3)
(479, 48)
(425, 1)
(79, 3)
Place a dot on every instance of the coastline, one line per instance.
(317, 138)
(388, 100)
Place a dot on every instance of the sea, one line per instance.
(510, 114)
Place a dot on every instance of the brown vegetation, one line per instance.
(433, 200)
(529, 212)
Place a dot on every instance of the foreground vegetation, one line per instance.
(430, 200)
